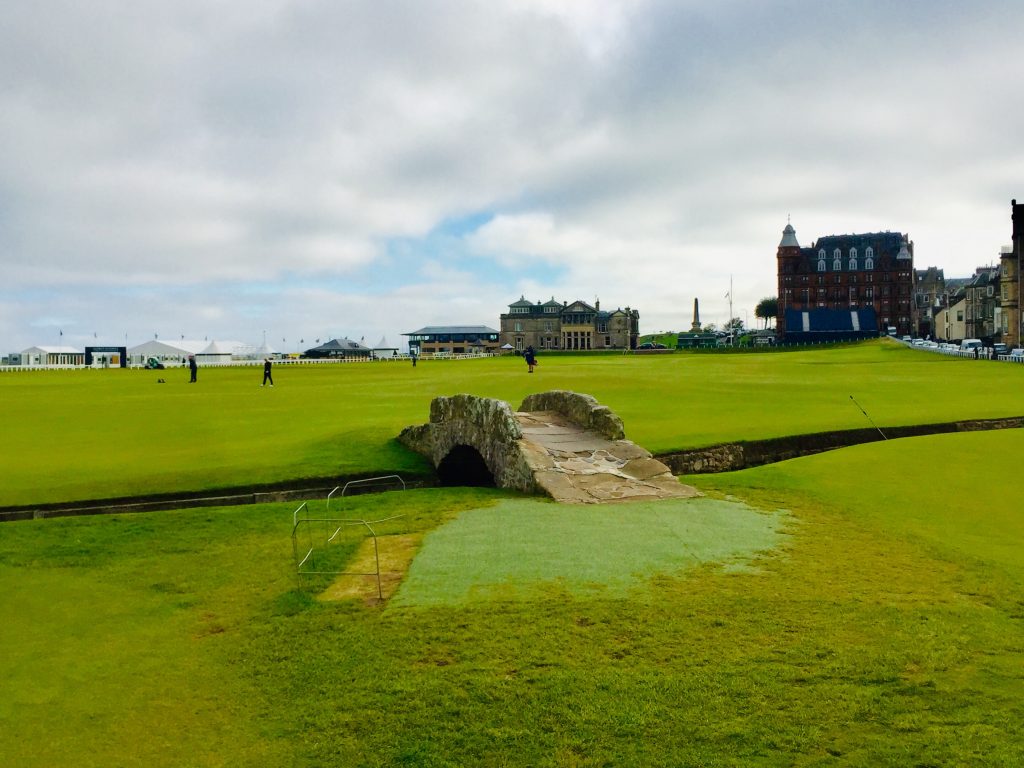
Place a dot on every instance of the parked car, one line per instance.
(917, 342)
(999, 348)
(970, 344)
(1017, 352)
(906, 338)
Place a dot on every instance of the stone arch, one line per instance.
(483, 424)
(464, 466)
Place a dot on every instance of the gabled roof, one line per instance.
(579, 306)
(173, 347)
(222, 347)
(434, 330)
(54, 350)
(521, 303)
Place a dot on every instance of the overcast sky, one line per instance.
(316, 169)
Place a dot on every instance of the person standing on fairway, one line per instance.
(266, 373)
(192, 368)
(531, 358)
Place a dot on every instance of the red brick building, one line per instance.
(843, 283)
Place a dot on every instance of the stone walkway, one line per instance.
(579, 466)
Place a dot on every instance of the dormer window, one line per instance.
(821, 265)
(853, 263)
(869, 263)
(869, 252)
(821, 253)
(853, 253)
(837, 254)
(837, 263)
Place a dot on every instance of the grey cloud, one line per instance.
(190, 143)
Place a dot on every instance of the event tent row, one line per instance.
(206, 352)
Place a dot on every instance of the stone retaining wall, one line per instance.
(728, 457)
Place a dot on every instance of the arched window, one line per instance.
(853, 263)
(853, 253)
(869, 263)
(837, 254)
(869, 252)
(821, 253)
(821, 265)
(837, 263)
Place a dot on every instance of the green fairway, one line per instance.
(882, 624)
(522, 549)
(878, 620)
(98, 434)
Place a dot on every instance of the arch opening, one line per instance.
(464, 466)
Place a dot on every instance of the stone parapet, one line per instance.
(581, 409)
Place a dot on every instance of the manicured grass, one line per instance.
(522, 549)
(101, 434)
(886, 629)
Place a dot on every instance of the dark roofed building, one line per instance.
(339, 348)
(453, 339)
(845, 274)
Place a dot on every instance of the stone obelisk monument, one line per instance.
(695, 328)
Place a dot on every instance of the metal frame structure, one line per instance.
(306, 528)
(364, 481)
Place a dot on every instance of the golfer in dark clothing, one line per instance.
(531, 358)
(266, 373)
(192, 368)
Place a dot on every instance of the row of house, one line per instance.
(984, 306)
(861, 285)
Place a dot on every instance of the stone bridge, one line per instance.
(559, 443)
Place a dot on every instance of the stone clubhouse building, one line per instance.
(561, 325)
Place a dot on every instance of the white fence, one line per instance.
(173, 364)
(984, 353)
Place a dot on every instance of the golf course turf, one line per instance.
(859, 607)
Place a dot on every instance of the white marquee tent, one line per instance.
(173, 352)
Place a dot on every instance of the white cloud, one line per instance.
(165, 159)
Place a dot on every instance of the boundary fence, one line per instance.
(172, 365)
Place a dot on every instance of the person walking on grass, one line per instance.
(192, 368)
(530, 357)
(267, 376)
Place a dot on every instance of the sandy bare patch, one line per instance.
(360, 580)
